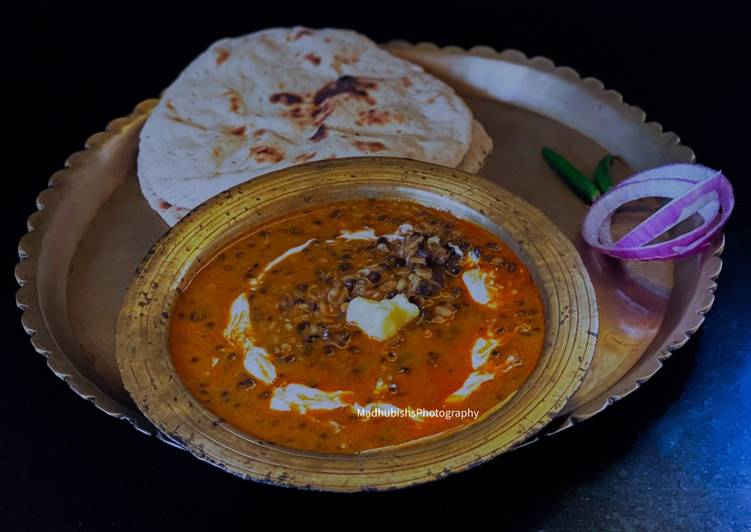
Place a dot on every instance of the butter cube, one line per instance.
(474, 280)
(381, 319)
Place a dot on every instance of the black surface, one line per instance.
(674, 455)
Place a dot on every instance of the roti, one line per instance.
(479, 149)
(279, 97)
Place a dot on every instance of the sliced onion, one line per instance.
(692, 189)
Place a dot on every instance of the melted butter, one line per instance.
(476, 282)
(300, 398)
(237, 331)
(259, 365)
(367, 233)
(481, 351)
(471, 385)
(291, 251)
(363, 234)
(239, 320)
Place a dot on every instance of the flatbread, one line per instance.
(171, 214)
(279, 97)
(479, 149)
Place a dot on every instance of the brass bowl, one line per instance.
(143, 327)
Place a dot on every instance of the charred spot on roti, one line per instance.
(299, 34)
(165, 204)
(266, 154)
(259, 133)
(406, 81)
(313, 58)
(236, 103)
(370, 147)
(168, 105)
(352, 85)
(180, 120)
(286, 98)
(222, 54)
(320, 134)
(239, 130)
(321, 113)
(305, 157)
(339, 60)
(296, 112)
(376, 117)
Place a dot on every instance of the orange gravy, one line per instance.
(297, 319)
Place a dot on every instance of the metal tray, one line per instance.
(93, 227)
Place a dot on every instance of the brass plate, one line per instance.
(93, 227)
(142, 344)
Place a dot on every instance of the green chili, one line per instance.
(577, 181)
(602, 173)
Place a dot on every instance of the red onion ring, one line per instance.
(692, 189)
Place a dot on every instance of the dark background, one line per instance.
(674, 455)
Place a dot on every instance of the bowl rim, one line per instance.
(142, 339)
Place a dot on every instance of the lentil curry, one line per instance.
(353, 326)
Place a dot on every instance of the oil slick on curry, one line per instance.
(295, 332)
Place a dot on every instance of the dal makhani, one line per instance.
(353, 326)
